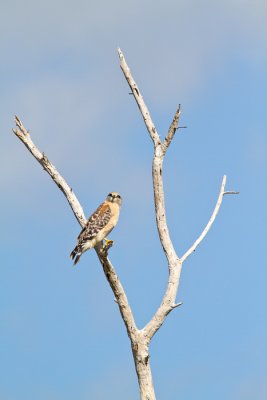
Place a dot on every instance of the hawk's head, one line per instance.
(114, 197)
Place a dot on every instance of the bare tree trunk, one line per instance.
(140, 338)
(142, 366)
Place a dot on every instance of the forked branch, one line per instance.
(174, 262)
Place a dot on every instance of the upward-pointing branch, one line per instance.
(139, 100)
(172, 129)
(22, 133)
(212, 219)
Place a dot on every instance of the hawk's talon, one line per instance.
(108, 244)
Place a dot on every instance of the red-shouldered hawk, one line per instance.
(98, 226)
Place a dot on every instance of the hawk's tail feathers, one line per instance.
(75, 254)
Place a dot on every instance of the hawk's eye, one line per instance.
(118, 196)
(110, 195)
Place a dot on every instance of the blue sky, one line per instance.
(61, 334)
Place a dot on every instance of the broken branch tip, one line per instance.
(120, 54)
(177, 305)
(230, 192)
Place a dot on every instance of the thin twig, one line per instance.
(177, 304)
(230, 192)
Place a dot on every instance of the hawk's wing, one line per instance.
(95, 223)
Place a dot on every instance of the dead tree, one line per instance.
(140, 338)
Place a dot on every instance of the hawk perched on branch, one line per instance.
(98, 226)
